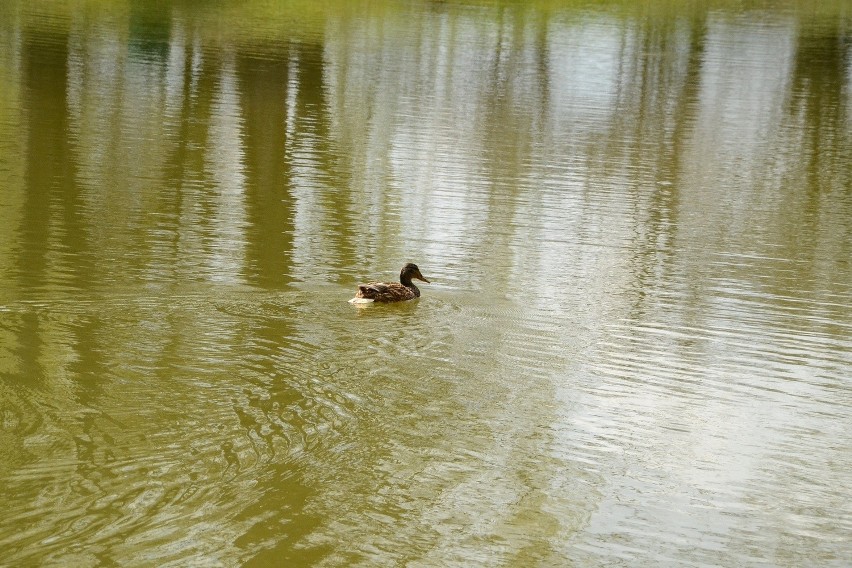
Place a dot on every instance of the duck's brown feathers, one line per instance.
(392, 291)
(387, 292)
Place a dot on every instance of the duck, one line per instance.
(391, 291)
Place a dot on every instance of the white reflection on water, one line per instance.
(225, 166)
(583, 75)
(740, 128)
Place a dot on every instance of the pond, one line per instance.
(635, 348)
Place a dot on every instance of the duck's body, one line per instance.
(391, 291)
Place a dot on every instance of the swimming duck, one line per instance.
(391, 291)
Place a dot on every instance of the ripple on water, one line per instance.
(701, 407)
(187, 391)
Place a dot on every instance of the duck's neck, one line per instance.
(405, 280)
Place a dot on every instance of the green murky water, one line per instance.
(636, 348)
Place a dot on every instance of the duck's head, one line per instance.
(410, 271)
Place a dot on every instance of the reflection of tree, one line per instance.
(181, 207)
(264, 84)
(819, 87)
(329, 179)
(814, 212)
(517, 31)
(313, 117)
(52, 200)
(50, 213)
(665, 97)
(285, 117)
(150, 31)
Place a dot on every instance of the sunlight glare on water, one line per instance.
(636, 342)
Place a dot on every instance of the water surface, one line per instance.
(636, 348)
